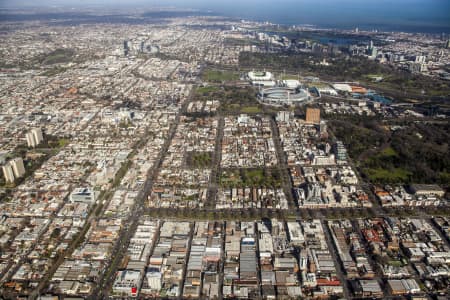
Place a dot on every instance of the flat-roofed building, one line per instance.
(291, 83)
(403, 286)
(127, 283)
(295, 233)
(82, 195)
(367, 288)
(427, 190)
(342, 87)
(247, 266)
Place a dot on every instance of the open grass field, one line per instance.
(220, 76)
(250, 110)
(58, 56)
(233, 100)
(387, 175)
(250, 178)
(207, 89)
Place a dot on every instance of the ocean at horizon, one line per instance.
(427, 16)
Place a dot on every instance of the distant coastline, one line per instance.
(426, 23)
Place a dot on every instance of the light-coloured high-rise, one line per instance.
(18, 167)
(34, 137)
(30, 140)
(8, 173)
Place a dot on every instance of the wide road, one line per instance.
(215, 171)
(282, 165)
(338, 265)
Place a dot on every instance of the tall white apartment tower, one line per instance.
(30, 140)
(18, 167)
(34, 137)
(8, 173)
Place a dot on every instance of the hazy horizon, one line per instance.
(408, 15)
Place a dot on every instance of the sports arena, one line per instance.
(283, 96)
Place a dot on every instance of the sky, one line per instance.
(415, 13)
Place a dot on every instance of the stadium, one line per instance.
(278, 96)
(264, 79)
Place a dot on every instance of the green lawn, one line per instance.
(207, 89)
(387, 175)
(53, 71)
(388, 152)
(233, 99)
(395, 263)
(62, 142)
(250, 178)
(220, 76)
(374, 75)
(251, 110)
(289, 77)
(58, 56)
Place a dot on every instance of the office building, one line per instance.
(284, 116)
(126, 47)
(341, 151)
(313, 115)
